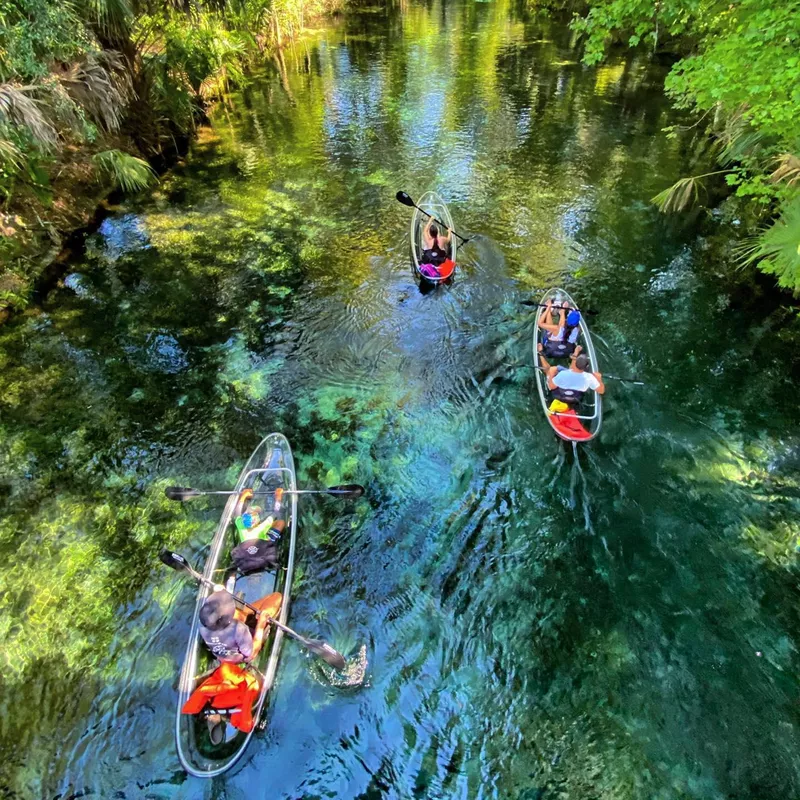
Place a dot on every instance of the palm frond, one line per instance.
(787, 170)
(19, 109)
(682, 194)
(99, 84)
(11, 157)
(126, 171)
(738, 138)
(111, 15)
(677, 197)
(777, 248)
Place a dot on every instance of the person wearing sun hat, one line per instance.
(224, 631)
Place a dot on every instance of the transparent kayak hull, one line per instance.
(436, 207)
(583, 424)
(270, 466)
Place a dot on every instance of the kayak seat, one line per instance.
(568, 424)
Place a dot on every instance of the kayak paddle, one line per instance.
(407, 201)
(534, 304)
(317, 646)
(346, 490)
(634, 381)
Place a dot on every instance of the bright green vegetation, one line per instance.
(92, 91)
(740, 76)
(622, 627)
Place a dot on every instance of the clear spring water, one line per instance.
(535, 625)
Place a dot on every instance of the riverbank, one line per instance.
(75, 135)
(41, 235)
(735, 68)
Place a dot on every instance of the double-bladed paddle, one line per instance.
(317, 646)
(347, 491)
(634, 381)
(407, 201)
(536, 304)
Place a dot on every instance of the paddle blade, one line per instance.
(181, 493)
(405, 199)
(347, 490)
(174, 561)
(326, 653)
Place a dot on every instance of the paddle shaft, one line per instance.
(554, 307)
(285, 628)
(634, 381)
(609, 377)
(286, 491)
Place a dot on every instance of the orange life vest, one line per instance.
(230, 686)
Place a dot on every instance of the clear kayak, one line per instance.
(582, 423)
(436, 207)
(271, 466)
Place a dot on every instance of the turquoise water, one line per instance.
(537, 623)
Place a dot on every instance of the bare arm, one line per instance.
(426, 235)
(601, 389)
(258, 636)
(541, 321)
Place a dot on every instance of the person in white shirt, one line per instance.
(570, 384)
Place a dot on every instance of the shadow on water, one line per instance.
(530, 622)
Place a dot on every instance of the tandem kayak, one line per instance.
(433, 205)
(270, 467)
(580, 424)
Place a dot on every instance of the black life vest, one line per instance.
(434, 255)
(563, 348)
(572, 397)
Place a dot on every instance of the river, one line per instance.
(537, 624)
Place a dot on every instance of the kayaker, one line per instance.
(250, 521)
(560, 337)
(569, 384)
(436, 245)
(224, 631)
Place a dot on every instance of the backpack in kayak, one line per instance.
(255, 555)
(445, 270)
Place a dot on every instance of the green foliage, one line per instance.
(129, 173)
(682, 194)
(748, 63)
(777, 249)
(636, 23)
(68, 73)
(35, 33)
(206, 53)
(741, 73)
